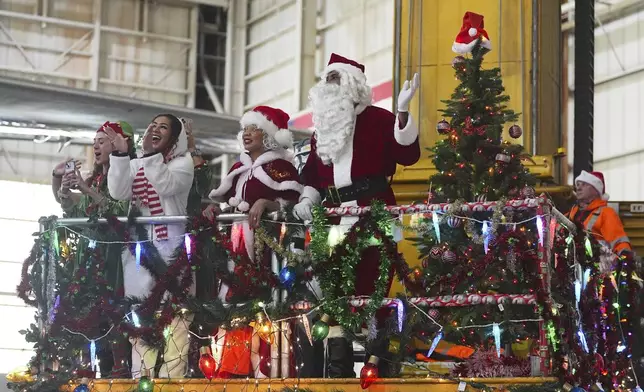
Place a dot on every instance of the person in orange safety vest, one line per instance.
(593, 212)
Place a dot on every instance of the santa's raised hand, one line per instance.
(407, 93)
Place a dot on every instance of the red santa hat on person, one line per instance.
(596, 180)
(353, 68)
(471, 30)
(272, 121)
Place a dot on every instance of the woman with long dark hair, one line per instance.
(157, 184)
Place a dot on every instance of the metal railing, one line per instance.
(280, 352)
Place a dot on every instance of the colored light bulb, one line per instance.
(82, 387)
(145, 383)
(321, 328)
(207, 363)
(287, 276)
(369, 372)
(264, 328)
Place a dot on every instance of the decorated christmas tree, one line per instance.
(483, 251)
(473, 161)
(489, 248)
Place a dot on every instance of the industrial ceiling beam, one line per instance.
(606, 15)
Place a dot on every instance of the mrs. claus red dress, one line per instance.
(271, 176)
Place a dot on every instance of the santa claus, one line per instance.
(355, 148)
(263, 180)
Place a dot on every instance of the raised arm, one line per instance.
(120, 176)
(309, 176)
(168, 179)
(405, 144)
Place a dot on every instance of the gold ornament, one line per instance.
(394, 345)
(263, 327)
(20, 374)
(64, 249)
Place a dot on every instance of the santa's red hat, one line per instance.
(471, 30)
(594, 179)
(354, 68)
(272, 121)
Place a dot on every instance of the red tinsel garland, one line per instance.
(25, 287)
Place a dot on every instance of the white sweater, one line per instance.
(172, 181)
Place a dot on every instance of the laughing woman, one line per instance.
(157, 184)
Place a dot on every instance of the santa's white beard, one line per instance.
(334, 116)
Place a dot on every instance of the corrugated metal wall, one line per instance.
(362, 30)
(619, 100)
(133, 48)
(278, 38)
(16, 227)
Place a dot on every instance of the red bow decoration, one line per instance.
(470, 129)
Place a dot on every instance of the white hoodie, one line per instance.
(172, 181)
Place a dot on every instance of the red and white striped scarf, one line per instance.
(147, 196)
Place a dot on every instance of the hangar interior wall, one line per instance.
(619, 96)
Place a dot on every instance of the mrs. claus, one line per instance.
(263, 180)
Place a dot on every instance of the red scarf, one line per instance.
(145, 193)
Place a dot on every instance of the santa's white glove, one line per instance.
(303, 210)
(407, 93)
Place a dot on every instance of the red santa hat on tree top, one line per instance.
(337, 62)
(471, 30)
(596, 180)
(272, 121)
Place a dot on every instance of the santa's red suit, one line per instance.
(359, 173)
(271, 176)
(354, 149)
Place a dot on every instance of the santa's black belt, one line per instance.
(362, 188)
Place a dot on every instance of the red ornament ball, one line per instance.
(516, 131)
(435, 252)
(443, 127)
(449, 256)
(458, 60)
(433, 313)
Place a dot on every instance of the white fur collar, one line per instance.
(248, 164)
(267, 157)
(361, 108)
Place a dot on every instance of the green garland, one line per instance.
(337, 272)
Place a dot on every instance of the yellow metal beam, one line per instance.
(313, 384)
(427, 29)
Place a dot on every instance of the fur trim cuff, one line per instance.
(312, 194)
(408, 135)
